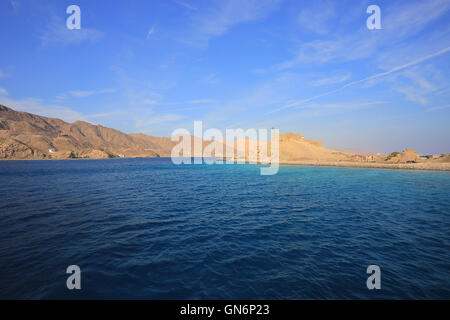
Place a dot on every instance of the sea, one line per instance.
(150, 229)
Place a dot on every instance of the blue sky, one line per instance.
(310, 67)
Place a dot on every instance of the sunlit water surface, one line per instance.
(145, 228)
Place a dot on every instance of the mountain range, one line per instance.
(28, 136)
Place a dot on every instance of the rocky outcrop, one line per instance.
(295, 147)
(28, 136)
(407, 156)
(13, 149)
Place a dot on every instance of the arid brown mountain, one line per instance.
(295, 147)
(28, 136)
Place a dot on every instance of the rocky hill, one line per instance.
(28, 136)
(295, 147)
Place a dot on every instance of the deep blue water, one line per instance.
(145, 228)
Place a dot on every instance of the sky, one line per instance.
(310, 67)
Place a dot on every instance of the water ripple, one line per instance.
(144, 228)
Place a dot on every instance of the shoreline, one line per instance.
(420, 166)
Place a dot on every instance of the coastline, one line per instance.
(421, 166)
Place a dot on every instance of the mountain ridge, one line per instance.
(28, 136)
(25, 135)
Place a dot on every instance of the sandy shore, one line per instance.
(433, 166)
(430, 166)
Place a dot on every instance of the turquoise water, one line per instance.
(145, 228)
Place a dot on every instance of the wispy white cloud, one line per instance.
(202, 101)
(150, 32)
(375, 76)
(3, 74)
(317, 18)
(438, 108)
(250, 102)
(399, 23)
(65, 36)
(3, 92)
(186, 5)
(210, 79)
(405, 20)
(420, 80)
(37, 106)
(346, 105)
(136, 91)
(220, 16)
(82, 93)
(416, 88)
(56, 32)
(158, 119)
(149, 102)
(330, 80)
(316, 51)
(15, 4)
(401, 67)
(312, 110)
(102, 115)
(412, 95)
(443, 91)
